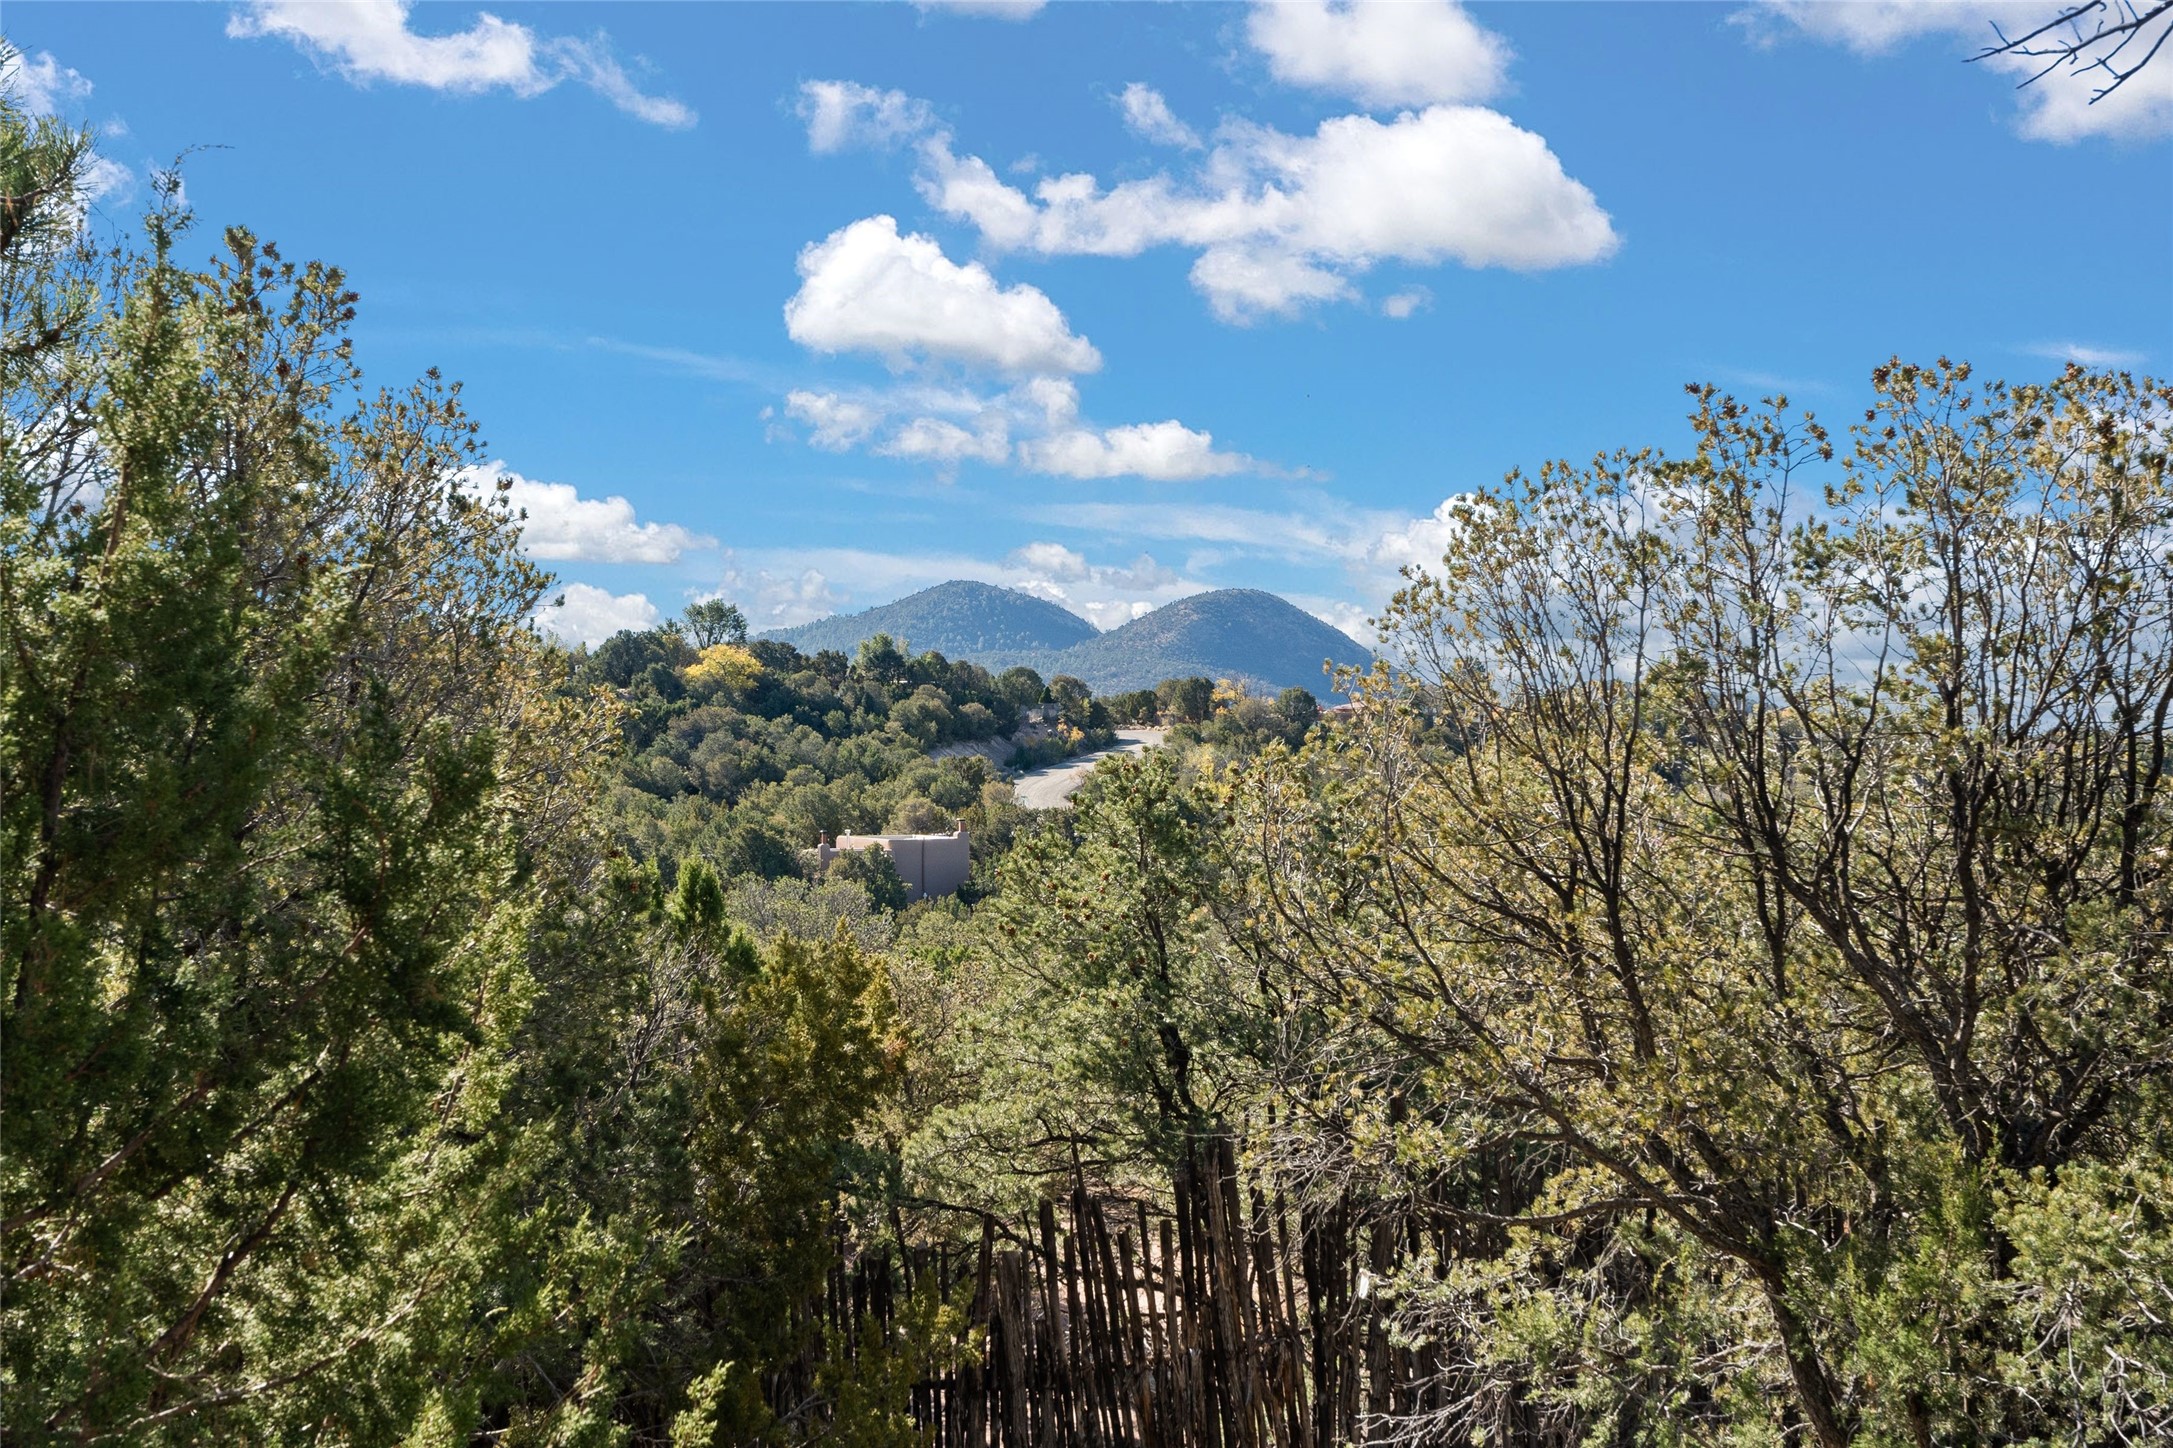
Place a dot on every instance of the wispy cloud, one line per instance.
(710, 366)
(42, 86)
(2086, 354)
(1371, 547)
(1400, 306)
(987, 9)
(1148, 116)
(371, 40)
(1321, 532)
(1368, 548)
(842, 114)
(1767, 383)
(2060, 101)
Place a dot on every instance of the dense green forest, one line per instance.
(1733, 937)
(744, 754)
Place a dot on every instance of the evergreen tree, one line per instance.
(283, 788)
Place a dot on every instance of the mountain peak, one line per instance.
(1230, 633)
(959, 619)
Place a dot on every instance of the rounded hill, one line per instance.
(959, 619)
(1233, 633)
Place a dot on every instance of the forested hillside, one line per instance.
(1239, 634)
(1232, 633)
(1712, 987)
(960, 618)
(745, 753)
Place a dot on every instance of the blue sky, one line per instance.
(814, 305)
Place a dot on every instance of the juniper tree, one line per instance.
(277, 744)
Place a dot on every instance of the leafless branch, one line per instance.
(2118, 38)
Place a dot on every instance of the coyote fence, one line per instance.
(1227, 1322)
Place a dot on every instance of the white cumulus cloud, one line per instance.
(563, 526)
(866, 288)
(833, 423)
(1052, 561)
(2060, 105)
(1165, 452)
(1380, 52)
(1243, 281)
(1106, 595)
(585, 614)
(788, 592)
(1148, 116)
(945, 443)
(1417, 542)
(372, 40)
(1282, 221)
(1159, 451)
(1341, 614)
(1034, 426)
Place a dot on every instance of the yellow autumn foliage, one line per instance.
(723, 666)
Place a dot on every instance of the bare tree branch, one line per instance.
(2118, 39)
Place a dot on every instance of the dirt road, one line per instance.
(1051, 788)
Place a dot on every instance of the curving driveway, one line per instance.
(1050, 787)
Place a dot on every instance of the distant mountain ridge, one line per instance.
(959, 620)
(1233, 633)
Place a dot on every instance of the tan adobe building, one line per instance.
(929, 864)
